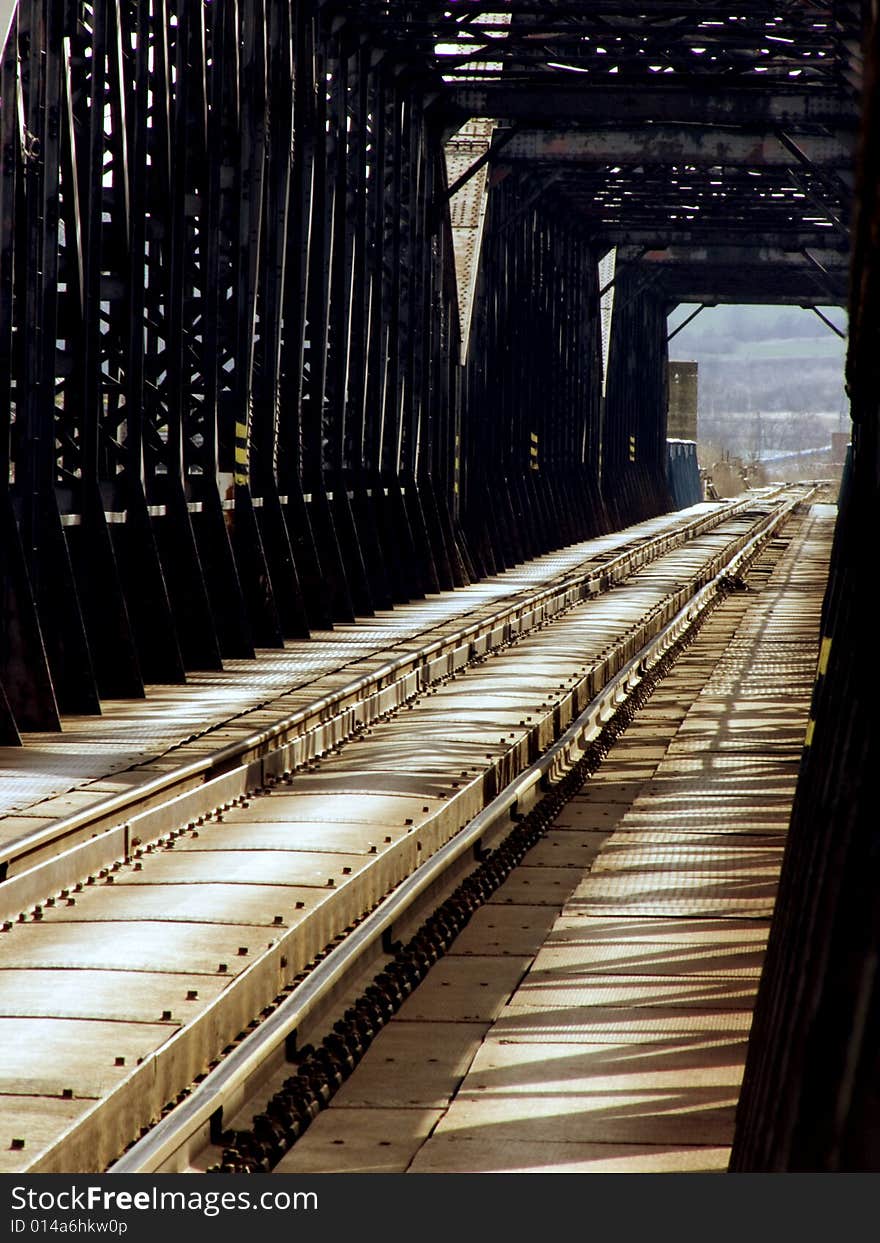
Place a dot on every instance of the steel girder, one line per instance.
(230, 330)
(656, 115)
(532, 399)
(555, 105)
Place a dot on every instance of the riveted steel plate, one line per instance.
(367, 786)
(605, 991)
(714, 816)
(195, 948)
(12, 827)
(702, 1115)
(617, 929)
(504, 1069)
(42, 1057)
(293, 836)
(465, 989)
(360, 1141)
(252, 906)
(647, 855)
(737, 743)
(131, 997)
(265, 867)
(334, 808)
(412, 1064)
(746, 767)
(37, 1120)
(621, 1024)
(463, 1153)
(615, 791)
(567, 961)
(431, 756)
(505, 930)
(567, 848)
(584, 815)
(750, 894)
(528, 885)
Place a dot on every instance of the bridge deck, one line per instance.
(597, 1020)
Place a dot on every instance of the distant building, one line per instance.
(682, 419)
(839, 446)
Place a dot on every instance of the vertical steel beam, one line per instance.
(37, 465)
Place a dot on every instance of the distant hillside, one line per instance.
(764, 359)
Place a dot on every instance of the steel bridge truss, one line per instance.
(235, 402)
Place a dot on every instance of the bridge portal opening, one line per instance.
(766, 384)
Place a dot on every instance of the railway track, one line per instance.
(62, 782)
(592, 1006)
(143, 941)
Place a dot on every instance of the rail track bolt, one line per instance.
(166, 1016)
(90, 880)
(21, 917)
(110, 880)
(120, 1061)
(372, 849)
(408, 820)
(346, 871)
(242, 951)
(138, 866)
(222, 968)
(192, 994)
(67, 1094)
(330, 882)
(387, 840)
(71, 901)
(195, 832)
(17, 1145)
(300, 906)
(7, 924)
